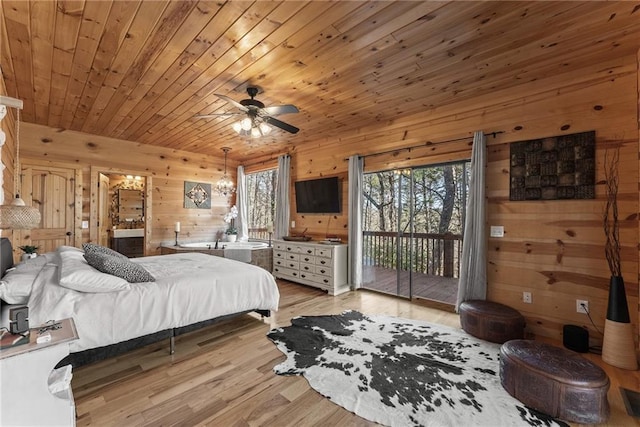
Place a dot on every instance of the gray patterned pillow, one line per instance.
(97, 249)
(117, 266)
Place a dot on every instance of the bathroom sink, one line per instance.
(128, 232)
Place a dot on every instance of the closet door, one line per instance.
(52, 191)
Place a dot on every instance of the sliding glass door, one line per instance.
(412, 230)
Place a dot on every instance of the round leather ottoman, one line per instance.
(555, 381)
(491, 321)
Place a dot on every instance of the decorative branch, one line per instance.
(610, 217)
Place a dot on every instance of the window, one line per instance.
(261, 197)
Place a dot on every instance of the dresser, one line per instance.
(320, 265)
(33, 392)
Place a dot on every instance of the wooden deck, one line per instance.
(425, 286)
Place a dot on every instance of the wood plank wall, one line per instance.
(167, 168)
(8, 125)
(553, 249)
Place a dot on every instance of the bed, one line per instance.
(112, 315)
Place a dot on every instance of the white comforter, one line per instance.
(189, 288)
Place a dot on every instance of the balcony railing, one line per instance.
(259, 234)
(428, 253)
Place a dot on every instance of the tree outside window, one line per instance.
(261, 196)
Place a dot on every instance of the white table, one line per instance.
(25, 374)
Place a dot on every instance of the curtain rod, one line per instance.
(265, 161)
(426, 144)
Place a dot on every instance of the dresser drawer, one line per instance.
(323, 270)
(309, 268)
(316, 278)
(279, 255)
(286, 272)
(291, 264)
(323, 261)
(309, 259)
(324, 252)
(292, 257)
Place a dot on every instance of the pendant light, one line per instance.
(225, 186)
(16, 216)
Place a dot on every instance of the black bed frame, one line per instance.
(96, 354)
(93, 355)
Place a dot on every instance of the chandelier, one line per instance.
(16, 215)
(249, 126)
(225, 186)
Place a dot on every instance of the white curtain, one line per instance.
(281, 226)
(356, 170)
(473, 265)
(242, 205)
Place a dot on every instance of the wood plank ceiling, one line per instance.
(141, 70)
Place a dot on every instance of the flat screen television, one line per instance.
(318, 195)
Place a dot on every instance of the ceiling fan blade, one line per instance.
(232, 102)
(280, 124)
(277, 110)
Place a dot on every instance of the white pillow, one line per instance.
(15, 286)
(77, 274)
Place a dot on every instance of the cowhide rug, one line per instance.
(402, 372)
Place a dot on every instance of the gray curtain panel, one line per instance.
(473, 265)
(281, 227)
(356, 170)
(242, 205)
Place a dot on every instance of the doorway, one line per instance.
(120, 200)
(56, 193)
(412, 230)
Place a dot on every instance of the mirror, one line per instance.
(130, 205)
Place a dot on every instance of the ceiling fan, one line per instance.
(258, 117)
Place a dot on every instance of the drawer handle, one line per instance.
(291, 265)
(306, 267)
(323, 262)
(294, 274)
(303, 276)
(309, 251)
(288, 248)
(307, 259)
(326, 281)
(322, 271)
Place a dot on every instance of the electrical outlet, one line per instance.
(526, 297)
(582, 306)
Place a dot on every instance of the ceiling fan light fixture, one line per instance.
(259, 120)
(264, 128)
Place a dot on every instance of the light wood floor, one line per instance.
(222, 375)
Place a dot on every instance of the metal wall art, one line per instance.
(197, 195)
(558, 167)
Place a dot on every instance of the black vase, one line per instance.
(617, 310)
